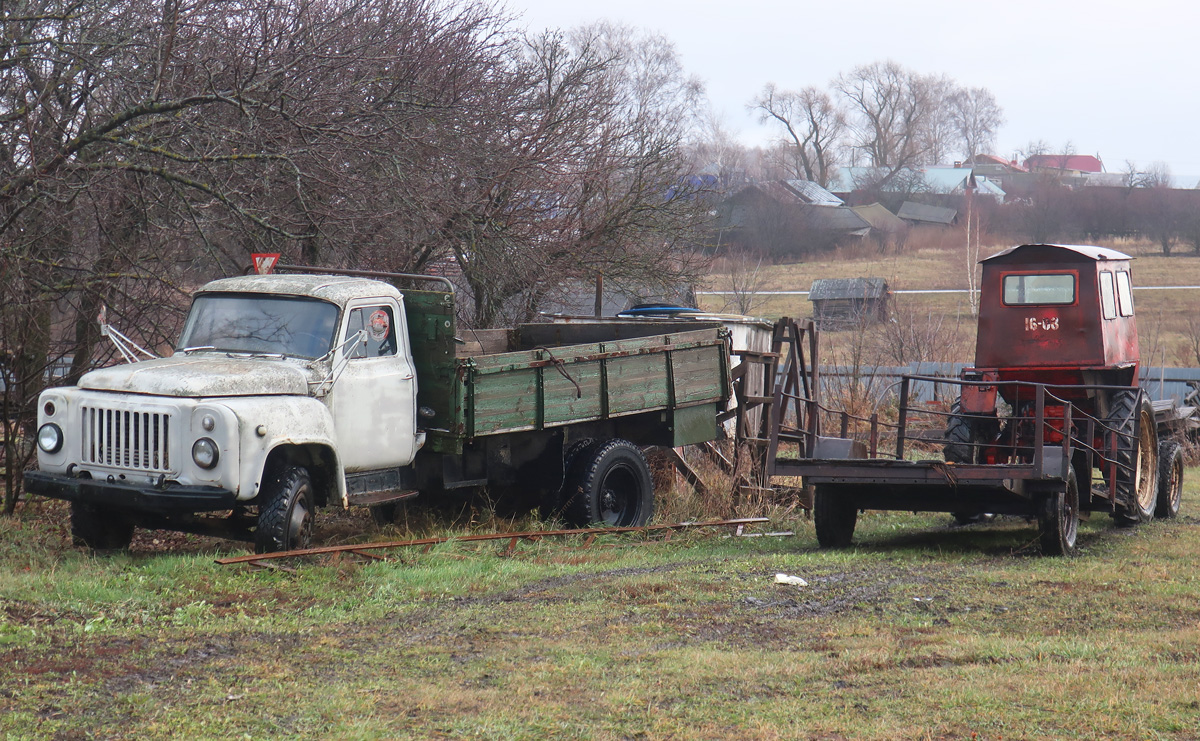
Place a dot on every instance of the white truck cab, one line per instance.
(277, 379)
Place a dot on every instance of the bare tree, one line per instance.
(741, 281)
(976, 117)
(892, 109)
(813, 129)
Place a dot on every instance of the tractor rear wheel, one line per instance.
(1170, 478)
(1136, 469)
(835, 513)
(1058, 520)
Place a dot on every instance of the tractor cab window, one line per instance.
(1028, 289)
(379, 324)
(1108, 299)
(1124, 294)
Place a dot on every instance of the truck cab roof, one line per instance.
(337, 289)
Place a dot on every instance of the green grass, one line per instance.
(920, 631)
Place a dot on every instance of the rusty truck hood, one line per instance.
(203, 375)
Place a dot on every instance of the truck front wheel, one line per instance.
(609, 485)
(99, 529)
(285, 516)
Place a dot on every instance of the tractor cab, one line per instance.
(1058, 314)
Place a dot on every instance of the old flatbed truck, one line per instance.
(1053, 397)
(290, 392)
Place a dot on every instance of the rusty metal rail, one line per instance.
(513, 538)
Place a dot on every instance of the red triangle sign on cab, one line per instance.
(264, 263)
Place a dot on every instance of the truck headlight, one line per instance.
(50, 438)
(205, 453)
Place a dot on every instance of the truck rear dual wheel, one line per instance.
(608, 484)
(1136, 472)
(285, 516)
(1058, 520)
(99, 529)
(1170, 479)
(835, 513)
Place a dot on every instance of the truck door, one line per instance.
(374, 400)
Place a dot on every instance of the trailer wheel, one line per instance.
(1058, 520)
(835, 513)
(285, 516)
(99, 529)
(1170, 479)
(1136, 472)
(609, 485)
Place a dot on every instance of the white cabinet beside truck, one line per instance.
(292, 392)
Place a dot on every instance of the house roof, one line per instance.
(811, 193)
(1080, 162)
(843, 288)
(880, 218)
(836, 219)
(926, 214)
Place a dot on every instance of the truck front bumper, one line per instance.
(169, 499)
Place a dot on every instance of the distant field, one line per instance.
(1163, 316)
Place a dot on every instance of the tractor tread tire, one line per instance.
(1124, 411)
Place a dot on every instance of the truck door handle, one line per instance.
(409, 377)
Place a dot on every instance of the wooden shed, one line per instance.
(838, 302)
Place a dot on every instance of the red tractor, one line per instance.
(1053, 397)
(1062, 316)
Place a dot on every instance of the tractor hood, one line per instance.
(202, 376)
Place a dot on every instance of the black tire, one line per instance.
(285, 515)
(835, 513)
(1170, 479)
(609, 485)
(99, 529)
(553, 500)
(1136, 472)
(1058, 520)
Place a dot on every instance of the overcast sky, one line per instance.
(1117, 79)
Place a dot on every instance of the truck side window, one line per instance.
(1108, 302)
(1124, 294)
(380, 325)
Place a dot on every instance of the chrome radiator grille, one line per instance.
(120, 438)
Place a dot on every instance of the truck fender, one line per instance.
(288, 428)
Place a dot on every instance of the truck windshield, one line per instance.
(252, 323)
(1058, 288)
